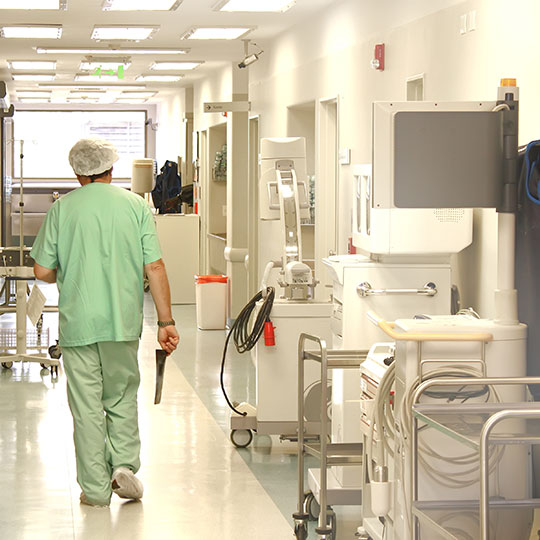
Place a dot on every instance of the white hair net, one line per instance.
(92, 156)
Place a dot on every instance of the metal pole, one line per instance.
(414, 474)
(323, 518)
(301, 342)
(21, 210)
(21, 317)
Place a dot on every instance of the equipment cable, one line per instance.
(244, 339)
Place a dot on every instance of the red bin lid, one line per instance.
(211, 279)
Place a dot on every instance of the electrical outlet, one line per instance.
(224, 210)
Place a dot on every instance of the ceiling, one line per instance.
(80, 17)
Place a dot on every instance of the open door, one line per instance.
(327, 193)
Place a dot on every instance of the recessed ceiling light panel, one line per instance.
(217, 32)
(82, 100)
(105, 64)
(97, 78)
(29, 31)
(32, 94)
(141, 5)
(87, 93)
(33, 4)
(176, 66)
(34, 100)
(33, 77)
(68, 86)
(110, 50)
(124, 33)
(27, 65)
(277, 6)
(159, 78)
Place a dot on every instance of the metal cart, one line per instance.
(328, 453)
(15, 342)
(478, 435)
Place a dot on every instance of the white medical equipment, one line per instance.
(404, 231)
(283, 196)
(424, 350)
(427, 160)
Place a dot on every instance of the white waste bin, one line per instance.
(211, 295)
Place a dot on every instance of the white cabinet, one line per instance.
(179, 239)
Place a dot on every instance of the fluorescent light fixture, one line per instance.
(87, 92)
(33, 4)
(32, 64)
(111, 50)
(277, 6)
(131, 95)
(127, 33)
(41, 31)
(32, 77)
(141, 5)
(217, 32)
(133, 101)
(69, 86)
(92, 65)
(34, 100)
(98, 78)
(32, 94)
(176, 66)
(82, 100)
(159, 78)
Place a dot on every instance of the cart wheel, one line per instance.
(333, 523)
(55, 351)
(311, 506)
(7, 365)
(300, 530)
(241, 438)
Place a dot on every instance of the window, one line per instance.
(49, 135)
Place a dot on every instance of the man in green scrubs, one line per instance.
(96, 243)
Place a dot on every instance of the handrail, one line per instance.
(388, 328)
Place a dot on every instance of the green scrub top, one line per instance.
(98, 237)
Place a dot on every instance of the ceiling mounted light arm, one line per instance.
(249, 58)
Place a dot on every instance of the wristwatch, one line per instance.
(161, 324)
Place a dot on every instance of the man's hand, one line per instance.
(168, 338)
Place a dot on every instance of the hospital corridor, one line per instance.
(269, 270)
(197, 485)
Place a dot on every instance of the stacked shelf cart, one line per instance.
(329, 454)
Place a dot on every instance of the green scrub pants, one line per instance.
(102, 381)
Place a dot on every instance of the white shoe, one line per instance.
(126, 485)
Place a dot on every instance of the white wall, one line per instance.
(330, 56)
(169, 133)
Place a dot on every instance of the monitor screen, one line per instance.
(437, 155)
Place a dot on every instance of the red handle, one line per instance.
(269, 338)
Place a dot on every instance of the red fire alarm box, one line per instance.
(378, 60)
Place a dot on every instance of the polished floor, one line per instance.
(197, 484)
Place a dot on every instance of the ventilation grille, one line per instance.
(449, 215)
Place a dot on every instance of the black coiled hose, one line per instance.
(244, 339)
